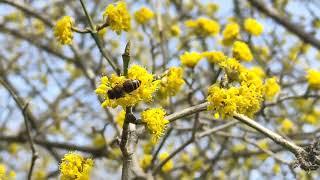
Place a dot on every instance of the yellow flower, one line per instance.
(118, 17)
(155, 122)
(258, 71)
(5, 175)
(230, 33)
(276, 168)
(271, 88)
(74, 166)
(120, 117)
(211, 8)
(263, 144)
(2, 170)
(313, 78)
(190, 59)
(241, 51)
(287, 126)
(172, 82)
(203, 26)
(143, 93)
(143, 15)
(63, 31)
(214, 56)
(175, 30)
(232, 67)
(169, 165)
(98, 140)
(38, 27)
(253, 26)
(39, 175)
(245, 99)
(223, 101)
(238, 148)
(146, 161)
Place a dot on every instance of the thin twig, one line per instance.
(34, 152)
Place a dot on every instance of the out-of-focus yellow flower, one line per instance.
(203, 26)
(175, 30)
(258, 71)
(241, 51)
(253, 26)
(39, 175)
(238, 148)
(98, 140)
(74, 166)
(313, 78)
(63, 30)
(5, 175)
(38, 27)
(190, 59)
(145, 161)
(120, 117)
(211, 8)
(102, 32)
(118, 17)
(230, 33)
(2, 170)
(272, 88)
(214, 57)
(172, 82)
(143, 15)
(276, 168)
(287, 126)
(155, 122)
(169, 165)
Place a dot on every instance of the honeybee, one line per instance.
(119, 90)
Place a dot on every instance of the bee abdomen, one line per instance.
(131, 85)
(116, 92)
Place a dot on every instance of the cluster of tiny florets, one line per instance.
(155, 122)
(74, 166)
(143, 93)
(143, 15)
(118, 17)
(203, 26)
(63, 30)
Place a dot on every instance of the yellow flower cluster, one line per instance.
(175, 30)
(169, 165)
(245, 99)
(172, 82)
(143, 15)
(143, 93)
(232, 67)
(253, 27)
(313, 78)
(287, 126)
(312, 117)
(230, 33)
(241, 51)
(203, 26)
(214, 56)
(63, 31)
(118, 17)
(6, 175)
(145, 161)
(74, 166)
(190, 59)
(120, 117)
(155, 122)
(271, 88)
